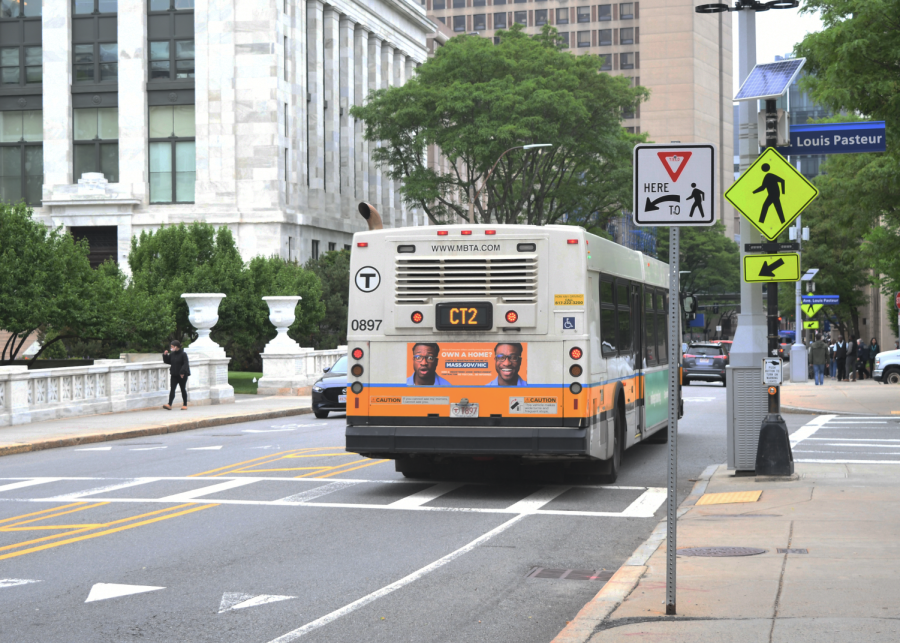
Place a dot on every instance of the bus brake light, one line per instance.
(357, 353)
(362, 244)
(572, 242)
(443, 233)
(512, 317)
(466, 233)
(490, 232)
(576, 353)
(417, 317)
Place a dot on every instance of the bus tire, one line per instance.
(413, 467)
(614, 464)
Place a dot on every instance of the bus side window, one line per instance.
(623, 316)
(649, 325)
(607, 319)
(662, 331)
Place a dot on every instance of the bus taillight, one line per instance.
(512, 317)
(357, 353)
(576, 353)
(490, 232)
(442, 233)
(356, 370)
(417, 317)
(575, 370)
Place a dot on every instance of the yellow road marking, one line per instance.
(240, 464)
(84, 529)
(47, 527)
(368, 464)
(42, 511)
(56, 515)
(729, 497)
(292, 469)
(104, 533)
(317, 455)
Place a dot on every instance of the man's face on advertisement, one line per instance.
(507, 361)
(425, 362)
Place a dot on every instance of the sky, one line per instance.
(777, 31)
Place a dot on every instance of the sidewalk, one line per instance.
(854, 398)
(118, 426)
(845, 588)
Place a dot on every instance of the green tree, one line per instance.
(474, 100)
(333, 270)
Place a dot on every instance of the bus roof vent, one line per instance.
(512, 278)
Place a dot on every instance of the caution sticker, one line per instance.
(568, 300)
(532, 405)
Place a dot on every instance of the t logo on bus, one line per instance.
(367, 279)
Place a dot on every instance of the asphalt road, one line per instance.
(270, 531)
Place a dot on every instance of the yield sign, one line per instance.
(674, 162)
(810, 310)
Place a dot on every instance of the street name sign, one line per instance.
(810, 325)
(836, 138)
(772, 372)
(828, 300)
(771, 268)
(771, 194)
(674, 185)
(811, 310)
(790, 246)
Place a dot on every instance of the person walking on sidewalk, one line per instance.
(180, 370)
(832, 363)
(874, 349)
(852, 354)
(818, 353)
(862, 361)
(840, 356)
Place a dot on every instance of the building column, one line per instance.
(348, 94)
(375, 80)
(387, 185)
(331, 67)
(411, 218)
(399, 80)
(361, 89)
(133, 127)
(56, 34)
(315, 47)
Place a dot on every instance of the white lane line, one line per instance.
(845, 453)
(318, 492)
(425, 495)
(266, 430)
(205, 448)
(840, 461)
(104, 591)
(15, 582)
(238, 601)
(204, 491)
(857, 446)
(646, 504)
(110, 487)
(96, 449)
(856, 439)
(148, 448)
(809, 429)
(857, 422)
(27, 483)
(406, 580)
(538, 499)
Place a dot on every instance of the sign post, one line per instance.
(674, 185)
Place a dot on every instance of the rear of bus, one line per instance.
(462, 342)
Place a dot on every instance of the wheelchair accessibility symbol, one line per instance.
(568, 323)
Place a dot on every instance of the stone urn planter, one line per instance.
(203, 309)
(281, 314)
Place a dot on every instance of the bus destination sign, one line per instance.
(476, 315)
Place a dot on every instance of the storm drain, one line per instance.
(792, 551)
(570, 574)
(720, 552)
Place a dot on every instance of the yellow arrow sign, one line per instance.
(810, 325)
(770, 268)
(771, 194)
(810, 310)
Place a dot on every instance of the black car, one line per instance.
(705, 362)
(330, 392)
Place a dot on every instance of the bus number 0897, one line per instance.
(365, 324)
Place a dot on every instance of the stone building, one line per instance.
(118, 116)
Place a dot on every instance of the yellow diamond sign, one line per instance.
(771, 194)
(771, 268)
(810, 310)
(810, 325)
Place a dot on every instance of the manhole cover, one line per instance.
(715, 552)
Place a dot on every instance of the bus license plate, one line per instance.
(467, 411)
(342, 399)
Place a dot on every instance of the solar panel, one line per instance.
(770, 80)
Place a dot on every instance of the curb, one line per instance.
(623, 582)
(804, 410)
(142, 431)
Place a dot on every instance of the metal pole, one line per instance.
(674, 352)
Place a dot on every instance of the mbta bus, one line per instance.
(527, 343)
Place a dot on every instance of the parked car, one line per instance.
(784, 351)
(887, 367)
(724, 343)
(329, 394)
(705, 361)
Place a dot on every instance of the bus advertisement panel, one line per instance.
(467, 364)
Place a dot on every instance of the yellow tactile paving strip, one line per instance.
(730, 497)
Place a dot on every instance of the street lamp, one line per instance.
(517, 147)
(747, 5)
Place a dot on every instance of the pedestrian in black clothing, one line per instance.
(180, 370)
(851, 359)
(840, 356)
(862, 362)
(874, 349)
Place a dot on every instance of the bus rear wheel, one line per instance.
(413, 467)
(614, 464)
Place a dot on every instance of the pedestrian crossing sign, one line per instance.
(808, 325)
(811, 310)
(771, 194)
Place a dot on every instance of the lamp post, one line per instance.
(484, 183)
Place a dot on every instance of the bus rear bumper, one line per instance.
(404, 440)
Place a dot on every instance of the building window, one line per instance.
(626, 36)
(347, 246)
(95, 52)
(520, 1)
(563, 39)
(96, 134)
(626, 11)
(332, 246)
(604, 12)
(21, 65)
(459, 4)
(442, 19)
(87, 7)
(540, 17)
(439, 4)
(479, 3)
(17, 9)
(21, 156)
(584, 38)
(606, 65)
(315, 248)
(172, 154)
(459, 23)
(562, 16)
(520, 17)
(498, 2)
(169, 5)
(96, 63)
(170, 40)
(496, 41)
(164, 58)
(605, 37)
(628, 113)
(583, 14)
(627, 61)
(500, 20)
(480, 21)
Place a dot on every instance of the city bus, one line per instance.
(538, 344)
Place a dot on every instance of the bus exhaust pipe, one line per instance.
(370, 214)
